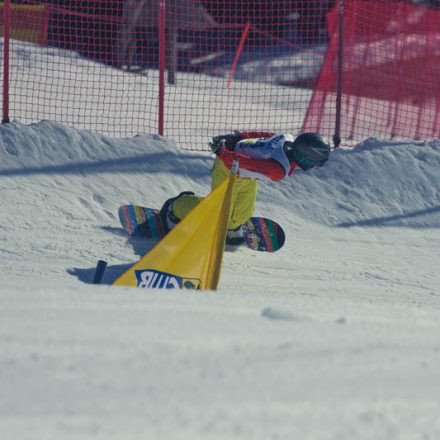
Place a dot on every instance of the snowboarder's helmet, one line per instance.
(308, 150)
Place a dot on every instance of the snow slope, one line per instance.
(336, 336)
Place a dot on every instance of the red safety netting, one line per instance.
(390, 75)
(230, 64)
(190, 69)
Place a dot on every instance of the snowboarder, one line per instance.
(260, 155)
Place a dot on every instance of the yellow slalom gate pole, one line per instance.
(213, 280)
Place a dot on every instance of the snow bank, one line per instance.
(334, 336)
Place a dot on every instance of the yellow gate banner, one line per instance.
(191, 254)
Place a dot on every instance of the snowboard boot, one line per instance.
(235, 237)
(169, 220)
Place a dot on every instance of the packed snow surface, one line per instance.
(336, 336)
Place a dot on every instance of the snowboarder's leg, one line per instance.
(243, 201)
(243, 207)
(167, 213)
(184, 204)
(244, 194)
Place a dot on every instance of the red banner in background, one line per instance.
(391, 71)
(27, 22)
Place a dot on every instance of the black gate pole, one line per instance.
(99, 272)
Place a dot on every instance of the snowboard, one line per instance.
(262, 234)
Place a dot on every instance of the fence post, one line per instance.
(162, 62)
(337, 135)
(7, 24)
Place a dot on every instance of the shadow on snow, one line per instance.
(140, 247)
(120, 165)
(402, 220)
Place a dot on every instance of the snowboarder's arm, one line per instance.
(256, 134)
(229, 140)
(265, 167)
